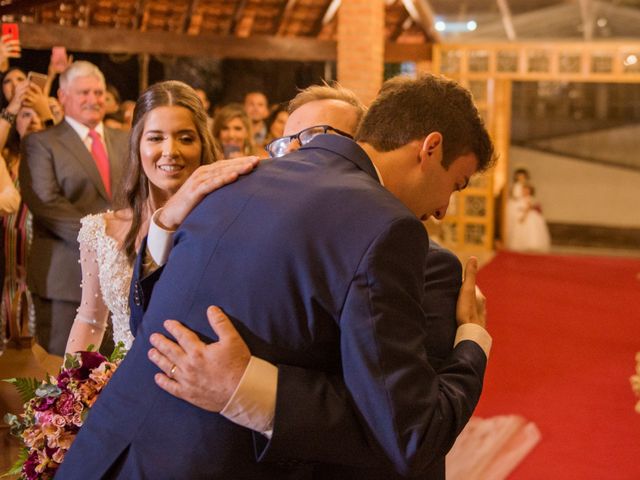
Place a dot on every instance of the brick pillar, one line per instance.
(361, 37)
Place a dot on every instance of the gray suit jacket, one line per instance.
(60, 184)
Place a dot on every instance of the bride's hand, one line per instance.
(204, 180)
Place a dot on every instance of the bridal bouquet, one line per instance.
(56, 408)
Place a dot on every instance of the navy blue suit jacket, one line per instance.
(305, 397)
(319, 268)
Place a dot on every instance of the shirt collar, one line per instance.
(346, 148)
(82, 130)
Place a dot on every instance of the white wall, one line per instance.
(573, 191)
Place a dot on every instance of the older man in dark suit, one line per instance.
(67, 172)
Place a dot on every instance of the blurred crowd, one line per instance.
(27, 105)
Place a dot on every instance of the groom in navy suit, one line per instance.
(319, 267)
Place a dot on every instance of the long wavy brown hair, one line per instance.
(134, 191)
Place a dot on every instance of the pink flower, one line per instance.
(59, 421)
(76, 419)
(58, 455)
(33, 437)
(44, 417)
(64, 404)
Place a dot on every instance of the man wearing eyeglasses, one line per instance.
(334, 285)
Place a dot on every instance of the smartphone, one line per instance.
(37, 78)
(230, 151)
(11, 29)
(59, 56)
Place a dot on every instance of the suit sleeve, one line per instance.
(392, 399)
(42, 193)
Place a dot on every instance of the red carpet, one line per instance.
(565, 332)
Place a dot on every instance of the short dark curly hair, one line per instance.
(409, 109)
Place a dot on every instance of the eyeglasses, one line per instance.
(281, 146)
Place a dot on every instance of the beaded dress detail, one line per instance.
(111, 289)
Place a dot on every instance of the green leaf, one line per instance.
(48, 390)
(16, 468)
(71, 360)
(118, 353)
(10, 419)
(26, 387)
(91, 347)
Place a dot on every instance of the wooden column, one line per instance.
(361, 39)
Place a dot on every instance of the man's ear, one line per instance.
(431, 148)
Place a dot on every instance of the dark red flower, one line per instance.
(65, 404)
(89, 361)
(29, 467)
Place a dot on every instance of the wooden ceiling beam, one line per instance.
(20, 7)
(113, 40)
(284, 13)
(237, 15)
(507, 19)
(422, 14)
(588, 22)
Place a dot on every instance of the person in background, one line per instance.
(17, 226)
(67, 172)
(204, 98)
(113, 117)
(529, 231)
(56, 110)
(17, 92)
(256, 105)
(232, 132)
(276, 122)
(127, 114)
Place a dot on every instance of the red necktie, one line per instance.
(101, 158)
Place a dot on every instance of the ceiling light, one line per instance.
(630, 60)
(471, 25)
(441, 26)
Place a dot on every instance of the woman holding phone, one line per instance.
(19, 91)
(232, 132)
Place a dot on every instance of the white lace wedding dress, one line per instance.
(106, 276)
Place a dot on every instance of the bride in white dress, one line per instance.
(171, 153)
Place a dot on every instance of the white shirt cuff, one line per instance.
(253, 404)
(159, 241)
(476, 333)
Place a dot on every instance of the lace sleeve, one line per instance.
(89, 324)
